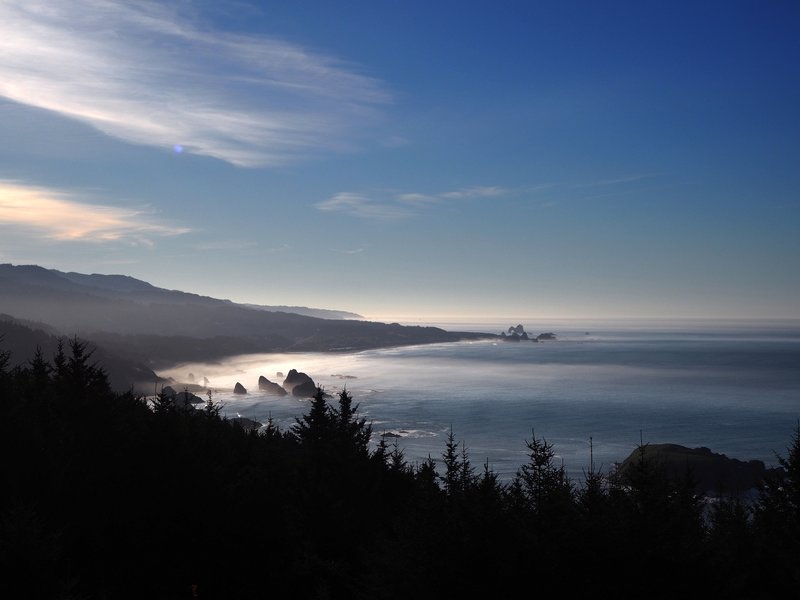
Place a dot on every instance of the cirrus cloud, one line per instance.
(383, 205)
(144, 73)
(57, 215)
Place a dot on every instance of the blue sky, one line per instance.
(412, 160)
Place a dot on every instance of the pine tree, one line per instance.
(777, 520)
(453, 466)
(5, 357)
(60, 361)
(353, 432)
(40, 368)
(426, 473)
(397, 459)
(381, 454)
(315, 427)
(211, 408)
(271, 431)
(544, 487)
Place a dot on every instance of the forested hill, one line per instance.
(106, 496)
(133, 318)
(21, 339)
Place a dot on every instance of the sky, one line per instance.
(412, 160)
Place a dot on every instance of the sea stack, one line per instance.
(270, 387)
(239, 389)
(299, 384)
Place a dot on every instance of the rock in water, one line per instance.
(270, 387)
(183, 399)
(300, 384)
(710, 472)
(305, 390)
(239, 389)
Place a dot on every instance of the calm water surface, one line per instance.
(731, 387)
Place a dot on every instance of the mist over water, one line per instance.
(734, 388)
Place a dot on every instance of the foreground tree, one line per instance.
(777, 522)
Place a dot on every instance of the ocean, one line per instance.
(731, 386)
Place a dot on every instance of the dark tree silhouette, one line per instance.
(106, 496)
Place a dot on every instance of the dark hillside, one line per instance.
(22, 340)
(111, 308)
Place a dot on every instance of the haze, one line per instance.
(411, 161)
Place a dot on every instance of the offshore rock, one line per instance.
(239, 389)
(305, 390)
(299, 384)
(183, 399)
(710, 472)
(270, 387)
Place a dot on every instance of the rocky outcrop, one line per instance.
(712, 473)
(183, 399)
(518, 334)
(239, 389)
(305, 390)
(299, 384)
(270, 387)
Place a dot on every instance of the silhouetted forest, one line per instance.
(107, 496)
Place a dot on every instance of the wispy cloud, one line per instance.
(57, 215)
(388, 205)
(148, 74)
(364, 206)
(475, 192)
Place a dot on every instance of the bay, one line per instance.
(728, 385)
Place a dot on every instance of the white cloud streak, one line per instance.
(392, 205)
(476, 192)
(363, 206)
(145, 73)
(57, 215)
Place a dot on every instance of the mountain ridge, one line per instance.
(160, 327)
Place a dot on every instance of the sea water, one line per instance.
(730, 386)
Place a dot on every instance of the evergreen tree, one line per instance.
(397, 459)
(457, 469)
(777, 522)
(353, 432)
(543, 487)
(315, 427)
(40, 368)
(60, 362)
(271, 431)
(211, 409)
(381, 454)
(663, 516)
(164, 404)
(426, 475)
